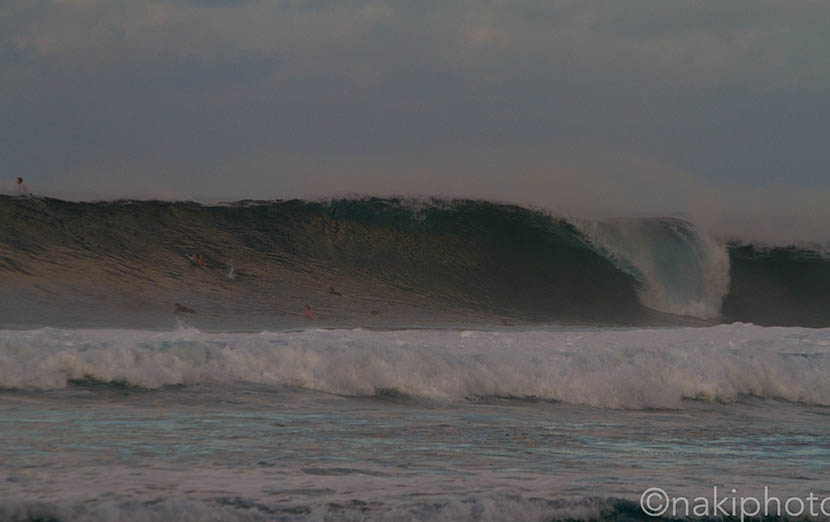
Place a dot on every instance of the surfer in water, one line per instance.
(309, 313)
(180, 309)
(22, 189)
(332, 291)
(198, 260)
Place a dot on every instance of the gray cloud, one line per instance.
(524, 100)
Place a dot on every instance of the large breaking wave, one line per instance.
(125, 263)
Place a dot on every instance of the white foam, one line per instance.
(631, 368)
(696, 288)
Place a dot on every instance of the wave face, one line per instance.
(604, 367)
(779, 285)
(681, 271)
(125, 263)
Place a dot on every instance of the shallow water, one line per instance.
(508, 424)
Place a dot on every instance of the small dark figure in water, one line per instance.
(505, 322)
(22, 189)
(197, 260)
(332, 291)
(309, 313)
(373, 313)
(179, 309)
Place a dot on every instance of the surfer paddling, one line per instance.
(180, 309)
(198, 260)
(332, 291)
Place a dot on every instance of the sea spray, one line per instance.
(618, 368)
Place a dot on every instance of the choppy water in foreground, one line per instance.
(501, 424)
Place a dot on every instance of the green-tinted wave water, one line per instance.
(385, 262)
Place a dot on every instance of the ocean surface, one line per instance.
(391, 359)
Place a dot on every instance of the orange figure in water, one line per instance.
(309, 313)
(198, 260)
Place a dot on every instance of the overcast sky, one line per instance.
(636, 104)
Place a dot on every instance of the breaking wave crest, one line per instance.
(628, 368)
(682, 271)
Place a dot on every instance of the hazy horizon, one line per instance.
(709, 110)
